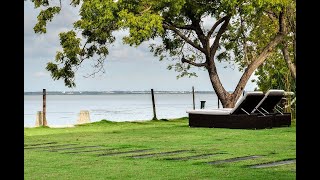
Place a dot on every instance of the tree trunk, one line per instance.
(229, 100)
(287, 58)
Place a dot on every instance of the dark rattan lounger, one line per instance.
(247, 114)
(268, 106)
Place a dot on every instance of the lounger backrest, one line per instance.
(247, 102)
(270, 100)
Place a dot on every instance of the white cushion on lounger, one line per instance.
(270, 92)
(224, 111)
(244, 97)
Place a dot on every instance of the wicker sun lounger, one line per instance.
(269, 106)
(247, 113)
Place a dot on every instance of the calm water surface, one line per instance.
(63, 110)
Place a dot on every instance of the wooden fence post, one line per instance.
(44, 119)
(154, 106)
(194, 105)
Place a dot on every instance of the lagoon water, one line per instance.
(63, 110)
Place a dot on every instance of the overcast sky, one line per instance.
(127, 68)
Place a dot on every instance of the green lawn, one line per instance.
(69, 155)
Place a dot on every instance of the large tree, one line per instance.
(235, 36)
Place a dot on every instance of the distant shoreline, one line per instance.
(113, 92)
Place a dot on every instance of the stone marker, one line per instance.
(84, 117)
(39, 121)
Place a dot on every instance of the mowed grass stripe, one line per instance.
(41, 147)
(200, 156)
(272, 164)
(72, 148)
(233, 159)
(157, 154)
(39, 144)
(124, 152)
(88, 151)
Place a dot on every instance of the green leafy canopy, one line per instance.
(149, 19)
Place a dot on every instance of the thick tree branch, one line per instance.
(287, 58)
(222, 29)
(184, 60)
(282, 25)
(195, 26)
(283, 29)
(256, 63)
(267, 50)
(179, 33)
(222, 94)
(203, 39)
(215, 26)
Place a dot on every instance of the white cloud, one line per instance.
(41, 74)
(46, 45)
